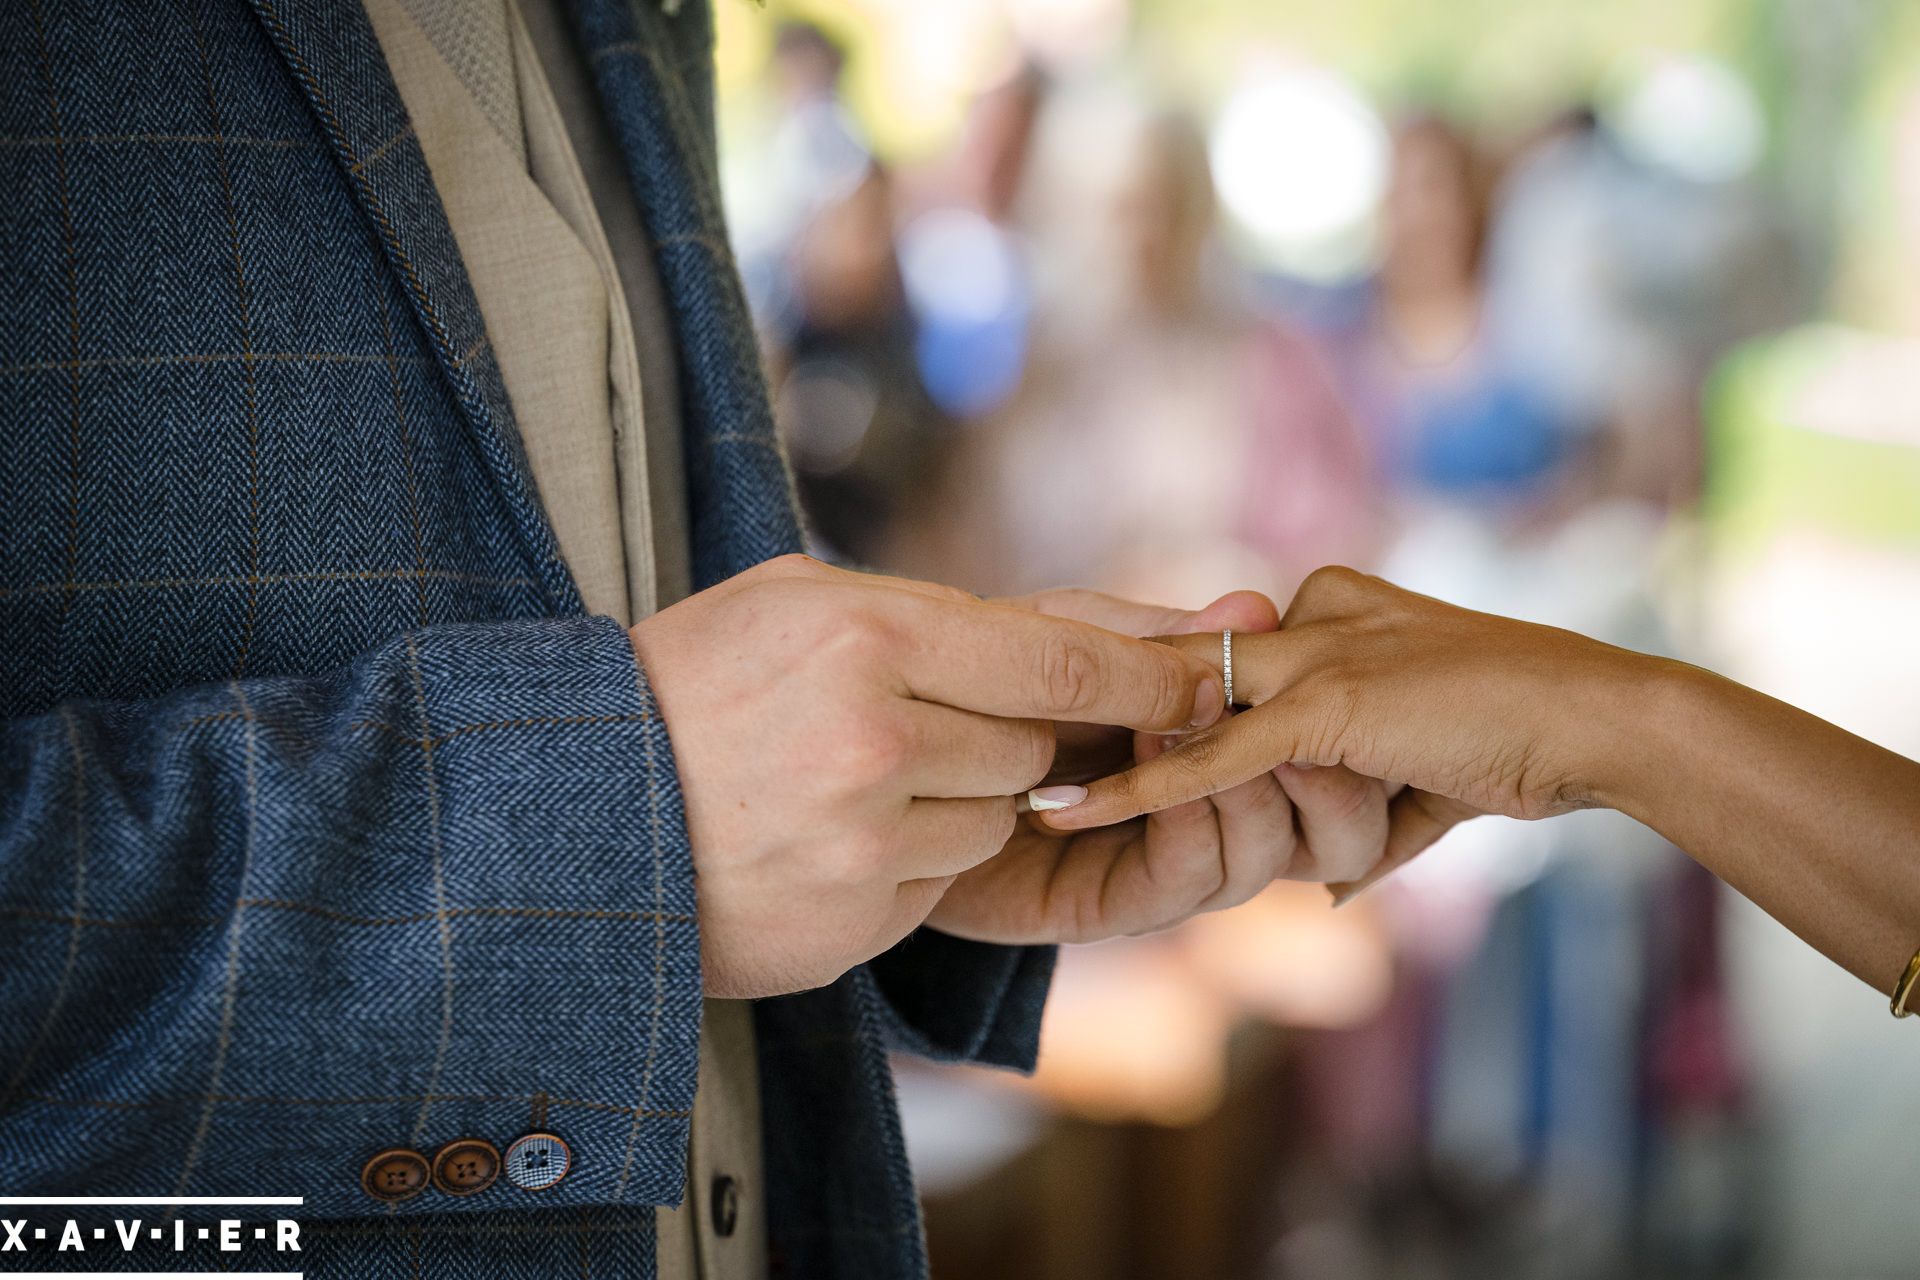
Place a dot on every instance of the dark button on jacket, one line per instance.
(725, 1206)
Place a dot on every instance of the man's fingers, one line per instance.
(1264, 663)
(952, 753)
(1226, 848)
(1044, 889)
(1257, 838)
(939, 838)
(1238, 610)
(1344, 820)
(1003, 661)
(1247, 611)
(1416, 819)
(1178, 865)
(1243, 748)
(1102, 610)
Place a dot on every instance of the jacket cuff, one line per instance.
(444, 894)
(570, 954)
(954, 1000)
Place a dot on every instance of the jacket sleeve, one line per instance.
(255, 933)
(955, 1000)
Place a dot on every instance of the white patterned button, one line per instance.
(538, 1161)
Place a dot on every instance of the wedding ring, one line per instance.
(1226, 666)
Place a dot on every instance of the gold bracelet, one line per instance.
(1904, 987)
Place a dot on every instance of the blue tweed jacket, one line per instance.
(328, 820)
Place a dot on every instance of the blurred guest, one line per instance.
(965, 260)
(858, 424)
(1519, 1098)
(1168, 437)
(1616, 284)
(1453, 419)
(1550, 284)
(812, 156)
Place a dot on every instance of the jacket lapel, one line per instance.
(653, 70)
(336, 60)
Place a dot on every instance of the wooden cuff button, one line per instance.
(466, 1167)
(394, 1175)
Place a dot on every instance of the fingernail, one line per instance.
(1047, 799)
(1342, 894)
(1207, 705)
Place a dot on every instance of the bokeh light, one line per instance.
(1301, 161)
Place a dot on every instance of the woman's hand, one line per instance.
(1469, 714)
(1206, 855)
(1462, 713)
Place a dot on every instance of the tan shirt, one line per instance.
(560, 268)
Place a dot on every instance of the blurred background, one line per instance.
(1600, 314)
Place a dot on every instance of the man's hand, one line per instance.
(848, 744)
(1205, 855)
(1464, 712)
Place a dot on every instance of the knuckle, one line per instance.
(942, 591)
(855, 856)
(851, 636)
(1051, 598)
(1352, 798)
(781, 593)
(803, 612)
(1128, 791)
(1339, 576)
(1199, 759)
(847, 945)
(866, 754)
(792, 564)
(1170, 684)
(1069, 673)
(1331, 584)
(1262, 806)
(1061, 602)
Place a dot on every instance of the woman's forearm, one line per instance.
(1481, 714)
(1818, 827)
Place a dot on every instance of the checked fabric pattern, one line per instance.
(327, 820)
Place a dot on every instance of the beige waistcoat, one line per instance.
(574, 314)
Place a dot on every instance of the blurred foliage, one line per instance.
(1774, 470)
(1498, 61)
(1833, 76)
(1501, 63)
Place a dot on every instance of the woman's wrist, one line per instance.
(1629, 727)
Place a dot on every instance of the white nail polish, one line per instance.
(1047, 799)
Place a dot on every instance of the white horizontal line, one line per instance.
(132, 1200)
(157, 1275)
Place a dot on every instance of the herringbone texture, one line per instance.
(329, 822)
